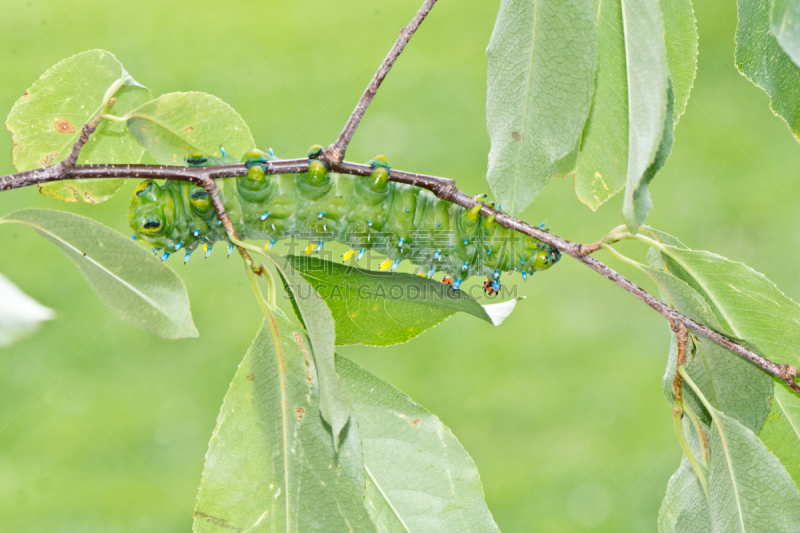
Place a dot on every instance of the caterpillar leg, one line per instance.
(491, 286)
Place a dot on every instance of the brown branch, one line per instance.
(443, 188)
(334, 154)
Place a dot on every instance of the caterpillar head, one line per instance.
(151, 214)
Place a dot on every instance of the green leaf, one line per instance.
(47, 120)
(637, 202)
(746, 304)
(418, 477)
(334, 403)
(784, 21)
(542, 60)
(19, 313)
(749, 489)
(781, 432)
(384, 308)
(176, 124)
(684, 508)
(133, 283)
(680, 38)
(270, 465)
(648, 99)
(761, 59)
(628, 111)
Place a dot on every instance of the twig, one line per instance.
(443, 188)
(334, 154)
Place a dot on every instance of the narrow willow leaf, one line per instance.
(418, 477)
(745, 303)
(647, 74)
(176, 124)
(680, 38)
(761, 59)
(781, 432)
(334, 403)
(638, 204)
(602, 160)
(47, 120)
(19, 313)
(749, 489)
(784, 21)
(383, 308)
(542, 60)
(270, 464)
(129, 279)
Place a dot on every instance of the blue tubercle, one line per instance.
(156, 250)
(394, 265)
(224, 153)
(265, 216)
(208, 252)
(489, 251)
(273, 227)
(230, 249)
(361, 254)
(186, 257)
(178, 246)
(164, 256)
(438, 254)
(196, 233)
(466, 242)
(133, 236)
(401, 243)
(271, 153)
(464, 267)
(496, 286)
(457, 285)
(522, 261)
(369, 223)
(496, 274)
(319, 246)
(524, 276)
(431, 272)
(219, 222)
(321, 214)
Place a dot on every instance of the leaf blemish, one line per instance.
(415, 422)
(300, 411)
(251, 377)
(189, 129)
(64, 126)
(516, 136)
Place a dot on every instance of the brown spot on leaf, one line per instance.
(301, 412)
(415, 422)
(64, 126)
(299, 340)
(174, 156)
(25, 95)
(219, 522)
(516, 136)
(189, 129)
(112, 101)
(251, 377)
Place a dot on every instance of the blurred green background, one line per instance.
(104, 427)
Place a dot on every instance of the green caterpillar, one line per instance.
(397, 220)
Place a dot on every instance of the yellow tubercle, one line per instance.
(348, 254)
(474, 213)
(310, 248)
(386, 264)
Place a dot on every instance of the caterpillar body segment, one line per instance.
(400, 221)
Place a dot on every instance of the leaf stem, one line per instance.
(677, 418)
